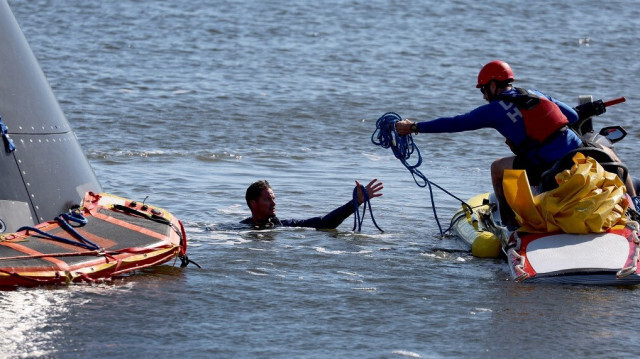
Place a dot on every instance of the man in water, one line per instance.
(262, 203)
(535, 125)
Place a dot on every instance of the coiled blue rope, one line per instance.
(357, 219)
(386, 136)
(403, 147)
(63, 220)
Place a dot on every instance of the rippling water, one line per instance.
(189, 102)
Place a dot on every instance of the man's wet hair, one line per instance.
(255, 189)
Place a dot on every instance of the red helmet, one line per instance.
(495, 70)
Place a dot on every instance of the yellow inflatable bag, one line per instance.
(588, 200)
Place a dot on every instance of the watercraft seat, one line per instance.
(548, 181)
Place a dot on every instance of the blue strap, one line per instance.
(63, 221)
(8, 142)
(75, 216)
(357, 219)
(386, 136)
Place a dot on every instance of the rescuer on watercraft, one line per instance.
(536, 126)
(262, 203)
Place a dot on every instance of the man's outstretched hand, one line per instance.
(374, 189)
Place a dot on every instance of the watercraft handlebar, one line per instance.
(615, 101)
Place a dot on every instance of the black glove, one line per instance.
(590, 109)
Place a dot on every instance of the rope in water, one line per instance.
(386, 136)
(357, 219)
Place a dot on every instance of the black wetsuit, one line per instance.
(332, 220)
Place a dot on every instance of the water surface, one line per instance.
(190, 102)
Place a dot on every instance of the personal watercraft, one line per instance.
(576, 252)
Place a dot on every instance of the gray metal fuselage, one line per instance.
(47, 173)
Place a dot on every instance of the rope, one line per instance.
(111, 254)
(86, 277)
(63, 221)
(386, 136)
(77, 217)
(184, 259)
(357, 219)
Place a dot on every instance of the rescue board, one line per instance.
(609, 258)
(105, 237)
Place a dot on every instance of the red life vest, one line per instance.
(542, 118)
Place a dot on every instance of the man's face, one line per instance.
(485, 96)
(487, 90)
(265, 205)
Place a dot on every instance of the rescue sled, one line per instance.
(609, 258)
(106, 236)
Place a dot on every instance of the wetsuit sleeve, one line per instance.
(330, 221)
(492, 115)
(481, 117)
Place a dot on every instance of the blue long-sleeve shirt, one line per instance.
(507, 119)
(330, 221)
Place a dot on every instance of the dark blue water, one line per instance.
(189, 102)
